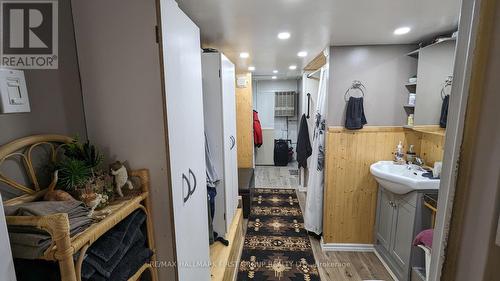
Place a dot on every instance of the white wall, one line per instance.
(121, 82)
(55, 98)
(383, 69)
(263, 100)
(435, 64)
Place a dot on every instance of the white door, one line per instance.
(7, 271)
(184, 106)
(228, 77)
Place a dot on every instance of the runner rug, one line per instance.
(276, 247)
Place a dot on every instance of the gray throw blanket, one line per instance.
(125, 241)
(30, 242)
(107, 252)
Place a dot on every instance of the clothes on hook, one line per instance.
(212, 180)
(257, 130)
(444, 111)
(212, 175)
(304, 148)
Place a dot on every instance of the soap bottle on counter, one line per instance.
(411, 155)
(399, 155)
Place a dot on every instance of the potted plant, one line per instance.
(80, 174)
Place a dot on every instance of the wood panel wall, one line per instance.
(350, 197)
(244, 123)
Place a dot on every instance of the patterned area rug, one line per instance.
(277, 247)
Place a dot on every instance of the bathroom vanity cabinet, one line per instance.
(399, 219)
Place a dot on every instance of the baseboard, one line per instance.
(385, 265)
(346, 247)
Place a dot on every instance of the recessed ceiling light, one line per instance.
(292, 67)
(302, 54)
(274, 77)
(244, 55)
(251, 68)
(402, 30)
(275, 71)
(283, 35)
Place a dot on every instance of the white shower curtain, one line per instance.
(313, 216)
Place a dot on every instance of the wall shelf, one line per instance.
(415, 54)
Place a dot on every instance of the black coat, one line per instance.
(304, 149)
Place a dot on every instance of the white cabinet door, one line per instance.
(212, 110)
(184, 108)
(7, 272)
(228, 79)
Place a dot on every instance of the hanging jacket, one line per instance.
(304, 149)
(257, 130)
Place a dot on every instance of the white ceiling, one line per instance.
(235, 26)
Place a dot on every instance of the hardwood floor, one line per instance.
(277, 177)
(348, 266)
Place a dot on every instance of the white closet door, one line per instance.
(213, 112)
(7, 271)
(184, 104)
(228, 77)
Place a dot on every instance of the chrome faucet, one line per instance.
(419, 162)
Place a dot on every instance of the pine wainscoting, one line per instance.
(350, 195)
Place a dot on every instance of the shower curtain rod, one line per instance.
(312, 73)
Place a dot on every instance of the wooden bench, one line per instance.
(246, 184)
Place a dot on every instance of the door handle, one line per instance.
(194, 178)
(184, 195)
(233, 142)
(191, 188)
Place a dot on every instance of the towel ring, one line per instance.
(356, 85)
(447, 83)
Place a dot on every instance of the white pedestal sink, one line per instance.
(401, 179)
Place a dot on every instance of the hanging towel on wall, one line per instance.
(313, 214)
(257, 130)
(355, 114)
(304, 149)
(444, 111)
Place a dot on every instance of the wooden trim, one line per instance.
(319, 61)
(366, 129)
(346, 247)
(244, 123)
(386, 266)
